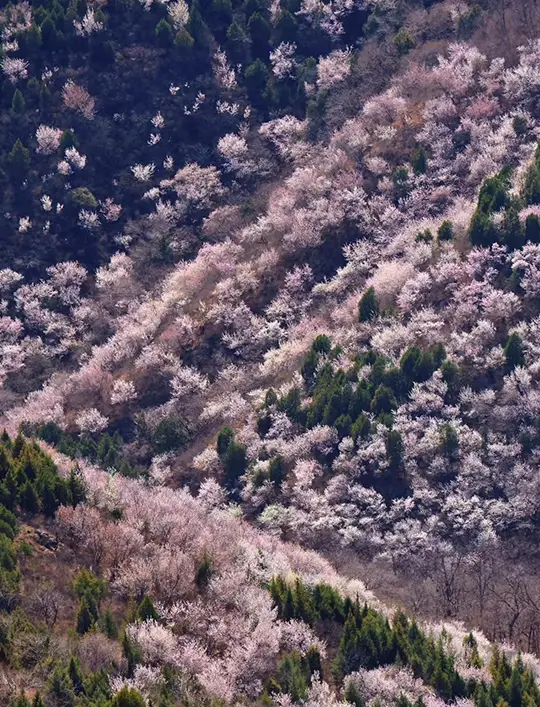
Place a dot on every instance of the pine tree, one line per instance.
(204, 572)
(419, 161)
(513, 352)
(225, 437)
(256, 80)
(37, 701)
(18, 161)
(110, 629)
(532, 228)
(384, 400)
(234, 463)
(85, 618)
(128, 697)
(368, 307)
(28, 498)
(18, 104)
(260, 31)
(76, 487)
(146, 610)
(130, 653)
(446, 231)
(164, 34)
(237, 42)
(76, 676)
(276, 470)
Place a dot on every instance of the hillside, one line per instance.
(269, 328)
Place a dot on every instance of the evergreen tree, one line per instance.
(260, 31)
(76, 487)
(225, 437)
(109, 627)
(512, 230)
(482, 231)
(204, 572)
(419, 161)
(276, 470)
(85, 618)
(146, 610)
(384, 401)
(128, 697)
(76, 676)
(532, 228)
(18, 105)
(353, 695)
(28, 498)
(49, 35)
(368, 307)
(18, 161)
(131, 654)
(256, 80)
(234, 463)
(164, 34)
(237, 43)
(513, 352)
(394, 450)
(446, 231)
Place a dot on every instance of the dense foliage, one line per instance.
(270, 281)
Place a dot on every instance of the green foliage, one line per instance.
(482, 231)
(108, 625)
(164, 34)
(131, 654)
(183, 41)
(368, 307)
(225, 437)
(353, 695)
(468, 21)
(513, 352)
(170, 434)
(384, 400)
(276, 470)
(146, 610)
(234, 463)
(259, 31)
(128, 697)
(88, 585)
(18, 103)
(256, 80)
(105, 451)
(204, 572)
(404, 42)
(446, 231)
(82, 198)
(367, 639)
(424, 236)
(532, 228)
(293, 676)
(90, 590)
(18, 161)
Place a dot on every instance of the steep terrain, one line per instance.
(269, 300)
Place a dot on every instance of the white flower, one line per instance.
(91, 421)
(24, 224)
(46, 202)
(88, 25)
(143, 172)
(179, 13)
(158, 121)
